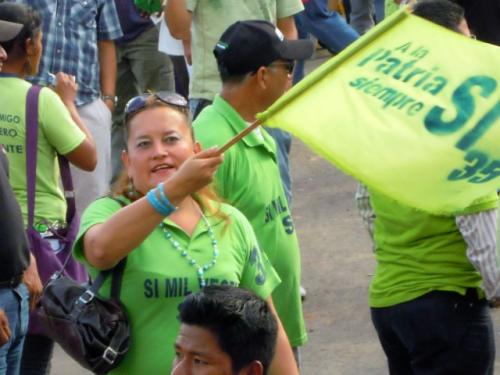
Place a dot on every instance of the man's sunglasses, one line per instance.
(141, 101)
(287, 64)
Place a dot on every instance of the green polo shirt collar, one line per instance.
(237, 123)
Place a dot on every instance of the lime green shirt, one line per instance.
(57, 133)
(210, 19)
(249, 179)
(157, 278)
(417, 252)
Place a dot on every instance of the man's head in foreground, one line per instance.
(224, 331)
(255, 55)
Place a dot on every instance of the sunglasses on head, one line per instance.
(141, 101)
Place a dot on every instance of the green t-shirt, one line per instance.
(210, 19)
(417, 252)
(57, 133)
(249, 179)
(157, 278)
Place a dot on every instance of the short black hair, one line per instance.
(243, 323)
(25, 15)
(442, 12)
(228, 77)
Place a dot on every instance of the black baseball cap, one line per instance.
(245, 46)
(9, 30)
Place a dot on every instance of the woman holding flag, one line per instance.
(177, 237)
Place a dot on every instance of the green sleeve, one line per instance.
(56, 122)
(258, 273)
(97, 213)
(286, 8)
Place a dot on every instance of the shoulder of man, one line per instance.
(211, 128)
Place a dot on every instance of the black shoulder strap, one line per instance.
(116, 281)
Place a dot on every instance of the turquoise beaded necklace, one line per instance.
(200, 269)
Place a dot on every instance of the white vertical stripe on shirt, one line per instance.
(479, 231)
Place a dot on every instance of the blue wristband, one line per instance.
(163, 197)
(162, 209)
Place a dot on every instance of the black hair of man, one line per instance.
(24, 15)
(228, 77)
(442, 12)
(243, 323)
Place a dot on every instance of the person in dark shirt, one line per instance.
(17, 280)
(18, 276)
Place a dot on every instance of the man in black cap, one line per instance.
(15, 275)
(255, 63)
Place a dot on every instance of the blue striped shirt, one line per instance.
(71, 29)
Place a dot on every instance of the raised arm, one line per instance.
(287, 27)
(107, 68)
(178, 19)
(107, 243)
(85, 155)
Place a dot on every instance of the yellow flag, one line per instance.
(411, 109)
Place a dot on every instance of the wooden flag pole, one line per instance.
(239, 136)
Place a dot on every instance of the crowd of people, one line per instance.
(211, 282)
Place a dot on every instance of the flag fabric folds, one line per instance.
(411, 109)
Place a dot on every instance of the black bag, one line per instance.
(94, 331)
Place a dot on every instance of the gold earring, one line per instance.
(131, 192)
